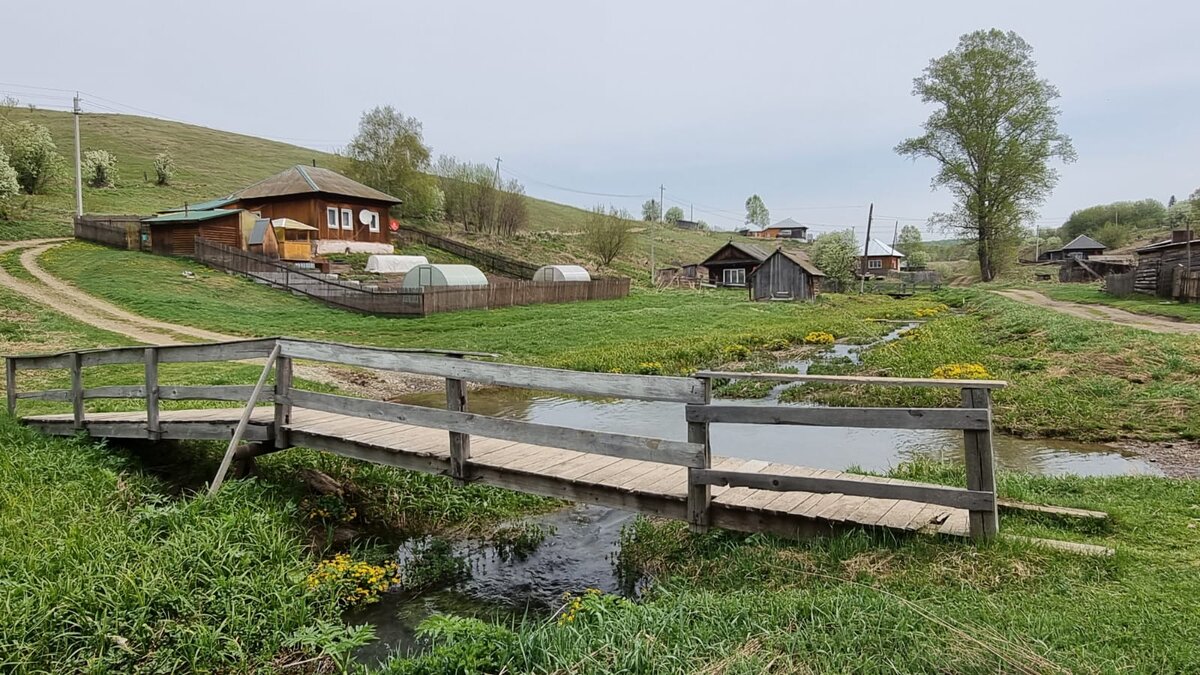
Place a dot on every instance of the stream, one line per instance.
(584, 540)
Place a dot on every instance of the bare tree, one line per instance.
(607, 233)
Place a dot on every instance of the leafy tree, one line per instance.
(651, 210)
(164, 168)
(32, 154)
(917, 260)
(703, 226)
(1113, 235)
(607, 233)
(468, 195)
(992, 135)
(1179, 214)
(99, 168)
(389, 154)
(8, 178)
(836, 254)
(756, 212)
(909, 241)
(1140, 215)
(673, 215)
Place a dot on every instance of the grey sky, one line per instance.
(800, 102)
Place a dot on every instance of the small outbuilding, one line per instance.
(394, 264)
(562, 273)
(785, 275)
(442, 276)
(731, 264)
(1082, 247)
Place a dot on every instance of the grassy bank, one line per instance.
(867, 603)
(1138, 303)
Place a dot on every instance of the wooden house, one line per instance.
(176, 233)
(1158, 263)
(1081, 248)
(879, 259)
(784, 229)
(785, 275)
(732, 264)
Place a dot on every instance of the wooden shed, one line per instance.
(1161, 264)
(732, 264)
(785, 275)
(175, 233)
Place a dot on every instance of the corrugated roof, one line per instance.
(1166, 244)
(204, 206)
(878, 248)
(190, 216)
(750, 250)
(302, 179)
(1083, 242)
(788, 223)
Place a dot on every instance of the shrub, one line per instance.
(164, 168)
(32, 154)
(818, 337)
(352, 582)
(8, 178)
(100, 168)
(961, 371)
(776, 345)
(649, 368)
(736, 352)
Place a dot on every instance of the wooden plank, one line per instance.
(224, 392)
(862, 418)
(10, 384)
(1068, 546)
(212, 431)
(642, 387)
(47, 362)
(77, 390)
(216, 351)
(244, 420)
(1065, 511)
(110, 357)
(63, 395)
(857, 379)
(150, 360)
(699, 493)
(918, 492)
(617, 445)
(283, 409)
(115, 392)
(460, 443)
(401, 350)
(343, 448)
(551, 486)
(981, 466)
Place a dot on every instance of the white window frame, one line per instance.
(875, 264)
(373, 226)
(737, 278)
(347, 219)
(331, 217)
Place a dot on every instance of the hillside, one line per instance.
(211, 163)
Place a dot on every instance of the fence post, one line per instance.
(10, 384)
(283, 404)
(981, 467)
(699, 496)
(77, 389)
(460, 443)
(153, 430)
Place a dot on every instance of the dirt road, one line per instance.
(60, 296)
(1155, 324)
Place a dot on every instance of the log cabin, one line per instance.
(732, 264)
(785, 275)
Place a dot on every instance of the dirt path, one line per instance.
(61, 296)
(1155, 324)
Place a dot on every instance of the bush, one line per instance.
(8, 178)
(736, 352)
(818, 337)
(164, 168)
(32, 154)
(352, 582)
(100, 168)
(961, 371)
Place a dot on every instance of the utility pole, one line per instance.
(1037, 241)
(78, 163)
(895, 232)
(862, 284)
(662, 191)
(495, 194)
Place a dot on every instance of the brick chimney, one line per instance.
(1180, 236)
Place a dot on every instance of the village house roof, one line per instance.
(189, 216)
(1169, 243)
(789, 224)
(302, 179)
(800, 258)
(204, 206)
(1083, 242)
(876, 248)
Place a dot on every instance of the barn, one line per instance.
(175, 233)
(785, 275)
(732, 264)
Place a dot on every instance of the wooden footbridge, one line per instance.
(663, 477)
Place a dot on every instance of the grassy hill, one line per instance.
(210, 163)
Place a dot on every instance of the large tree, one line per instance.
(389, 154)
(756, 212)
(651, 210)
(909, 241)
(993, 135)
(607, 233)
(836, 254)
(673, 215)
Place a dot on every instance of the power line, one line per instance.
(527, 179)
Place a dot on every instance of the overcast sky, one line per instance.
(799, 102)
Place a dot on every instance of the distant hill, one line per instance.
(210, 163)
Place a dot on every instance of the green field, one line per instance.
(1138, 303)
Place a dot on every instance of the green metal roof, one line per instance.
(204, 206)
(190, 216)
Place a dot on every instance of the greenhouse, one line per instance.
(562, 273)
(440, 276)
(394, 264)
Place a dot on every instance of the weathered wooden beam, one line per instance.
(150, 357)
(699, 496)
(857, 379)
(981, 465)
(63, 395)
(244, 421)
(597, 442)
(916, 492)
(47, 362)
(223, 392)
(77, 389)
(460, 443)
(217, 351)
(862, 418)
(10, 384)
(118, 391)
(641, 387)
(283, 409)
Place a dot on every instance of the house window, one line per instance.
(347, 219)
(331, 218)
(875, 264)
(785, 233)
(734, 276)
(373, 224)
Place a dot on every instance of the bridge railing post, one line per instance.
(283, 404)
(460, 443)
(77, 389)
(981, 465)
(153, 430)
(699, 495)
(10, 384)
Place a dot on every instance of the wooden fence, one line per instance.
(487, 260)
(116, 231)
(391, 301)
(973, 418)
(1120, 285)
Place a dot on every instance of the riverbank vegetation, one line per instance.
(1138, 303)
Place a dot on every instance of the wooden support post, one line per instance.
(243, 422)
(77, 389)
(10, 384)
(460, 443)
(981, 466)
(699, 495)
(283, 405)
(153, 430)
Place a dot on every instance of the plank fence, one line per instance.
(1120, 285)
(377, 299)
(117, 231)
(487, 260)
(666, 477)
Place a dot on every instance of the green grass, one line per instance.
(1138, 303)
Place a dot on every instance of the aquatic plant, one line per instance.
(649, 368)
(327, 509)
(433, 563)
(352, 582)
(776, 345)
(736, 352)
(520, 540)
(818, 337)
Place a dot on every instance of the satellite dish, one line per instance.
(365, 216)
